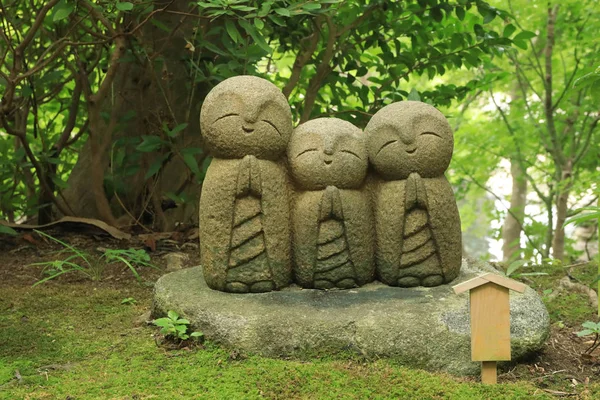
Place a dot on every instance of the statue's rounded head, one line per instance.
(407, 137)
(246, 115)
(328, 152)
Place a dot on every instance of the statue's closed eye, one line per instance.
(431, 133)
(351, 152)
(386, 144)
(226, 115)
(305, 151)
(272, 124)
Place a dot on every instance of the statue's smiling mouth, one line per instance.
(410, 151)
(247, 130)
(328, 161)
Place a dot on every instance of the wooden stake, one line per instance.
(488, 372)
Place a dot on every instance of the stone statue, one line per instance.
(245, 237)
(416, 218)
(332, 223)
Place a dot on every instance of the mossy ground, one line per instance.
(73, 339)
(78, 341)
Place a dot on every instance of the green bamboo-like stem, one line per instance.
(598, 255)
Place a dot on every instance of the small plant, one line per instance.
(175, 328)
(131, 258)
(512, 269)
(88, 265)
(129, 301)
(76, 261)
(591, 328)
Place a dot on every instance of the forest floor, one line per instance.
(77, 338)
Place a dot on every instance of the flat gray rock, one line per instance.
(419, 327)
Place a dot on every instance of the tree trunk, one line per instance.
(558, 242)
(161, 93)
(513, 224)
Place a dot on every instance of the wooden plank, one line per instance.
(506, 282)
(489, 374)
(468, 285)
(490, 323)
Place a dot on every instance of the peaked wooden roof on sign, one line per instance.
(487, 278)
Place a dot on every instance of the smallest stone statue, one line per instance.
(331, 216)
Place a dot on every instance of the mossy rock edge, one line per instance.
(422, 327)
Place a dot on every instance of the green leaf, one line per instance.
(204, 4)
(509, 30)
(259, 23)
(524, 35)
(585, 332)
(460, 13)
(413, 95)
(173, 315)
(124, 6)
(283, 11)
(149, 144)
(311, 6)
(256, 36)
(588, 79)
(521, 44)
(277, 20)
(183, 321)
(197, 334)
(577, 219)
(590, 325)
(191, 163)
(62, 11)
(232, 30)
(515, 265)
(156, 165)
(162, 322)
(177, 129)
(7, 230)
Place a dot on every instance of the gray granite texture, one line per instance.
(416, 218)
(332, 221)
(245, 239)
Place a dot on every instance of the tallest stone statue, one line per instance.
(246, 123)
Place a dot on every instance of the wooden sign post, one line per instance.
(490, 320)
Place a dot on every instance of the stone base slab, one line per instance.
(420, 327)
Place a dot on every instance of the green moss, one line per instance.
(570, 308)
(69, 341)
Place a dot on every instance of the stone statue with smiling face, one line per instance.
(246, 124)
(416, 218)
(332, 223)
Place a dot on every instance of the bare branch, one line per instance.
(323, 69)
(304, 55)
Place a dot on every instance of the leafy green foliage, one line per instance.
(176, 328)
